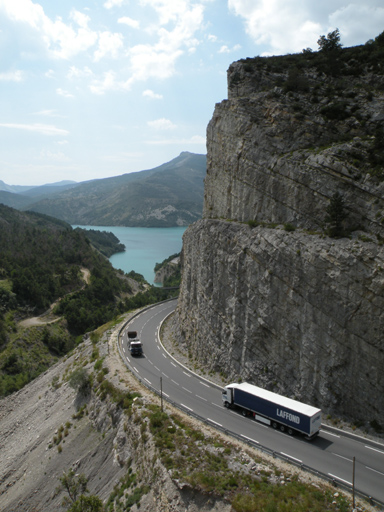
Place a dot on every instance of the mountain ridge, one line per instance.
(166, 196)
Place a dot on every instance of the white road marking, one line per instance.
(187, 374)
(185, 389)
(135, 369)
(375, 470)
(341, 457)
(216, 405)
(341, 479)
(204, 384)
(149, 382)
(158, 369)
(374, 449)
(290, 457)
(173, 364)
(329, 433)
(124, 349)
(189, 409)
(201, 398)
(165, 394)
(166, 376)
(215, 422)
(177, 384)
(249, 439)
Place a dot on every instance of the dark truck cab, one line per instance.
(134, 344)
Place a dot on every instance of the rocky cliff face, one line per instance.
(292, 309)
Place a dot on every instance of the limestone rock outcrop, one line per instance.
(266, 295)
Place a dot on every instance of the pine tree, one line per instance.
(336, 214)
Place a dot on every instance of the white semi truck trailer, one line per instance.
(273, 409)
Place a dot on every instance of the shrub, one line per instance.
(80, 382)
(289, 227)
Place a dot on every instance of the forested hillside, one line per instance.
(47, 265)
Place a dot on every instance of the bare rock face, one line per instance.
(291, 310)
(277, 157)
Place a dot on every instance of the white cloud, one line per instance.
(12, 76)
(158, 60)
(224, 49)
(109, 43)
(108, 83)
(45, 129)
(75, 72)
(112, 3)
(125, 20)
(62, 92)
(358, 21)
(212, 38)
(162, 124)
(150, 94)
(282, 25)
(62, 40)
(285, 26)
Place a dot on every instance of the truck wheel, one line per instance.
(282, 428)
(274, 424)
(226, 404)
(290, 432)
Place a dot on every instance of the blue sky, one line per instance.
(97, 88)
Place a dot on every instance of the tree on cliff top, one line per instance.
(331, 42)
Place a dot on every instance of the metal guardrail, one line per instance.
(254, 444)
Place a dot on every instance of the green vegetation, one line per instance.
(174, 277)
(76, 489)
(122, 498)
(27, 353)
(106, 242)
(351, 61)
(331, 42)
(79, 380)
(158, 266)
(42, 260)
(289, 227)
(202, 462)
(336, 214)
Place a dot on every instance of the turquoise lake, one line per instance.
(144, 247)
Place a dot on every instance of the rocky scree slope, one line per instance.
(47, 428)
(266, 297)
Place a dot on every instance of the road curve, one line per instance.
(331, 453)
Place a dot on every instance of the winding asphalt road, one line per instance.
(331, 453)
